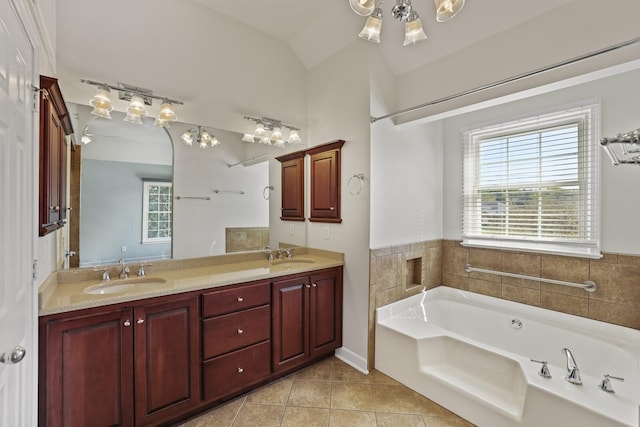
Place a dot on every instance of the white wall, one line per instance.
(620, 112)
(338, 94)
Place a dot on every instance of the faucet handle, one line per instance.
(605, 385)
(105, 272)
(544, 370)
(143, 264)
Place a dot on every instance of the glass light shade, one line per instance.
(167, 113)
(85, 139)
(362, 7)
(187, 137)
(294, 138)
(101, 112)
(276, 136)
(161, 123)
(413, 31)
(265, 140)
(372, 27)
(447, 9)
(278, 144)
(205, 137)
(102, 99)
(133, 118)
(136, 106)
(260, 131)
(247, 137)
(214, 141)
(203, 144)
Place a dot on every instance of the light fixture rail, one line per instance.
(588, 285)
(509, 79)
(137, 91)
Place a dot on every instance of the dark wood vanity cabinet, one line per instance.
(325, 182)
(236, 343)
(120, 366)
(55, 123)
(292, 166)
(307, 318)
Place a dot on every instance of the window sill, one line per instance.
(548, 248)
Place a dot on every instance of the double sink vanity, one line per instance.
(160, 348)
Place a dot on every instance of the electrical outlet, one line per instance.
(325, 233)
(123, 249)
(292, 229)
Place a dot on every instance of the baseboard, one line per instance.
(352, 359)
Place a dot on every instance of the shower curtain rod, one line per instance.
(509, 79)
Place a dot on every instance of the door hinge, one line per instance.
(34, 269)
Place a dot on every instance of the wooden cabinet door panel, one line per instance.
(167, 375)
(292, 183)
(326, 312)
(89, 371)
(325, 182)
(290, 302)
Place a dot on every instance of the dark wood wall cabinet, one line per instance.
(325, 182)
(162, 360)
(55, 123)
(292, 166)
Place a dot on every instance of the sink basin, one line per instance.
(292, 261)
(121, 285)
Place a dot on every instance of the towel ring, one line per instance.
(266, 193)
(360, 178)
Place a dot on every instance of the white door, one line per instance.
(17, 225)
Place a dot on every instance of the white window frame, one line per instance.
(145, 212)
(587, 244)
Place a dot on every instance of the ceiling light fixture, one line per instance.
(269, 131)
(139, 99)
(402, 11)
(201, 136)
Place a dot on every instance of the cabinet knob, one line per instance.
(127, 323)
(331, 208)
(240, 299)
(240, 331)
(240, 370)
(314, 285)
(140, 321)
(308, 286)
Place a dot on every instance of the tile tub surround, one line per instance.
(616, 301)
(64, 290)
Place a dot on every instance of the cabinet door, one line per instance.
(87, 370)
(290, 322)
(292, 186)
(325, 312)
(325, 182)
(167, 363)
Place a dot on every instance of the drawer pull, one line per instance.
(314, 285)
(240, 331)
(140, 321)
(127, 323)
(240, 370)
(308, 286)
(240, 299)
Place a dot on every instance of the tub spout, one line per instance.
(573, 373)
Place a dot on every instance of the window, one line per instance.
(157, 212)
(532, 184)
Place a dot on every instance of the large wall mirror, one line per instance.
(144, 195)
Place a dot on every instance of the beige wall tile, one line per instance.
(520, 263)
(454, 258)
(387, 297)
(614, 313)
(565, 303)
(373, 262)
(608, 258)
(520, 294)
(388, 271)
(617, 283)
(523, 283)
(629, 260)
(567, 269)
(493, 289)
(455, 281)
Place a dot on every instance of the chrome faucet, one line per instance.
(141, 272)
(286, 251)
(124, 273)
(573, 373)
(269, 253)
(105, 273)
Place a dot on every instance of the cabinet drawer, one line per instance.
(235, 371)
(236, 330)
(233, 299)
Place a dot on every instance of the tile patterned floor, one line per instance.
(331, 393)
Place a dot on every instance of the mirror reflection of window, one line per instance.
(156, 212)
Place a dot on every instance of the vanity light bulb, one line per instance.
(214, 141)
(247, 137)
(260, 131)
(187, 137)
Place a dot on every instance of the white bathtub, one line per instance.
(461, 350)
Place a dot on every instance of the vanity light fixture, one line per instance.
(269, 131)
(624, 148)
(201, 136)
(139, 99)
(402, 11)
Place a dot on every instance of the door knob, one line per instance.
(14, 357)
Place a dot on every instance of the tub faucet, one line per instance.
(573, 373)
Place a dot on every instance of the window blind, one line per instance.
(531, 184)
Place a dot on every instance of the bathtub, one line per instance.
(472, 354)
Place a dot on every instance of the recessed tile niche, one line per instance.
(413, 273)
